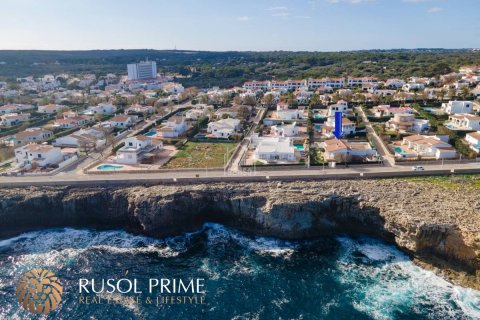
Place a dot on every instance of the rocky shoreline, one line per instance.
(439, 226)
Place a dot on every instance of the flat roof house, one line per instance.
(348, 127)
(137, 149)
(454, 107)
(174, 127)
(275, 149)
(223, 128)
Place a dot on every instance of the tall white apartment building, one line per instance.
(143, 70)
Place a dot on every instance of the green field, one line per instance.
(450, 182)
(201, 155)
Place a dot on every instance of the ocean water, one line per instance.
(246, 277)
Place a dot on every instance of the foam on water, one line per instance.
(386, 281)
(374, 278)
(218, 234)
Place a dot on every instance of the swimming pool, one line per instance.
(108, 167)
(299, 147)
(399, 150)
(150, 134)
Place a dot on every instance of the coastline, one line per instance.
(438, 226)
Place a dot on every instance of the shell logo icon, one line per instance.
(39, 291)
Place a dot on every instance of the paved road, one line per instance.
(234, 163)
(381, 148)
(220, 175)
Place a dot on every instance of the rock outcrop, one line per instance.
(438, 226)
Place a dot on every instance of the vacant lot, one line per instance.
(201, 155)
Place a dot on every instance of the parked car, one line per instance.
(418, 168)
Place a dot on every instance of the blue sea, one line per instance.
(246, 277)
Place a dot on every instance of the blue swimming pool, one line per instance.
(150, 134)
(399, 150)
(108, 167)
(299, 147)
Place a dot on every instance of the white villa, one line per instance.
(413, 86)
(174, 127)
(137, 149)
(386, 111)
(275, 149)
(198, 111)
(285, 130)
(473, 139)
(223, 128)
(405, 122)
(340, 106)
(72, 120)
(348, 127)
(50, 108)
(90, 137)
(425, 146)
(38, 154)
(15, 108)
(32, 135)
(359, 82)
(11, 119)
(463, 122)
(340, 150)
(284, 113)
(103, 108)
(454, 107)
(139, 109)
(122, 121)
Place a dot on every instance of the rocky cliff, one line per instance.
(437, 223)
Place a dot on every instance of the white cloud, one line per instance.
(244, 18)
(435, 10)
(281, 12)
(278, 8)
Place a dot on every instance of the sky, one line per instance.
(246, 25)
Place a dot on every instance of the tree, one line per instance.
(315, 101)
(250, 101)
(465, 92)
(268, 99)
(243, 112)
(237, 100)
(204, 99)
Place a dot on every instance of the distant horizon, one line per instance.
(250, 25)
(246, 51)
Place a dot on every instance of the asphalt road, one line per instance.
(77, 178)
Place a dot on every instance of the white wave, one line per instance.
(383, 289)
(219, 234)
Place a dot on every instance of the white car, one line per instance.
(418, 168)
